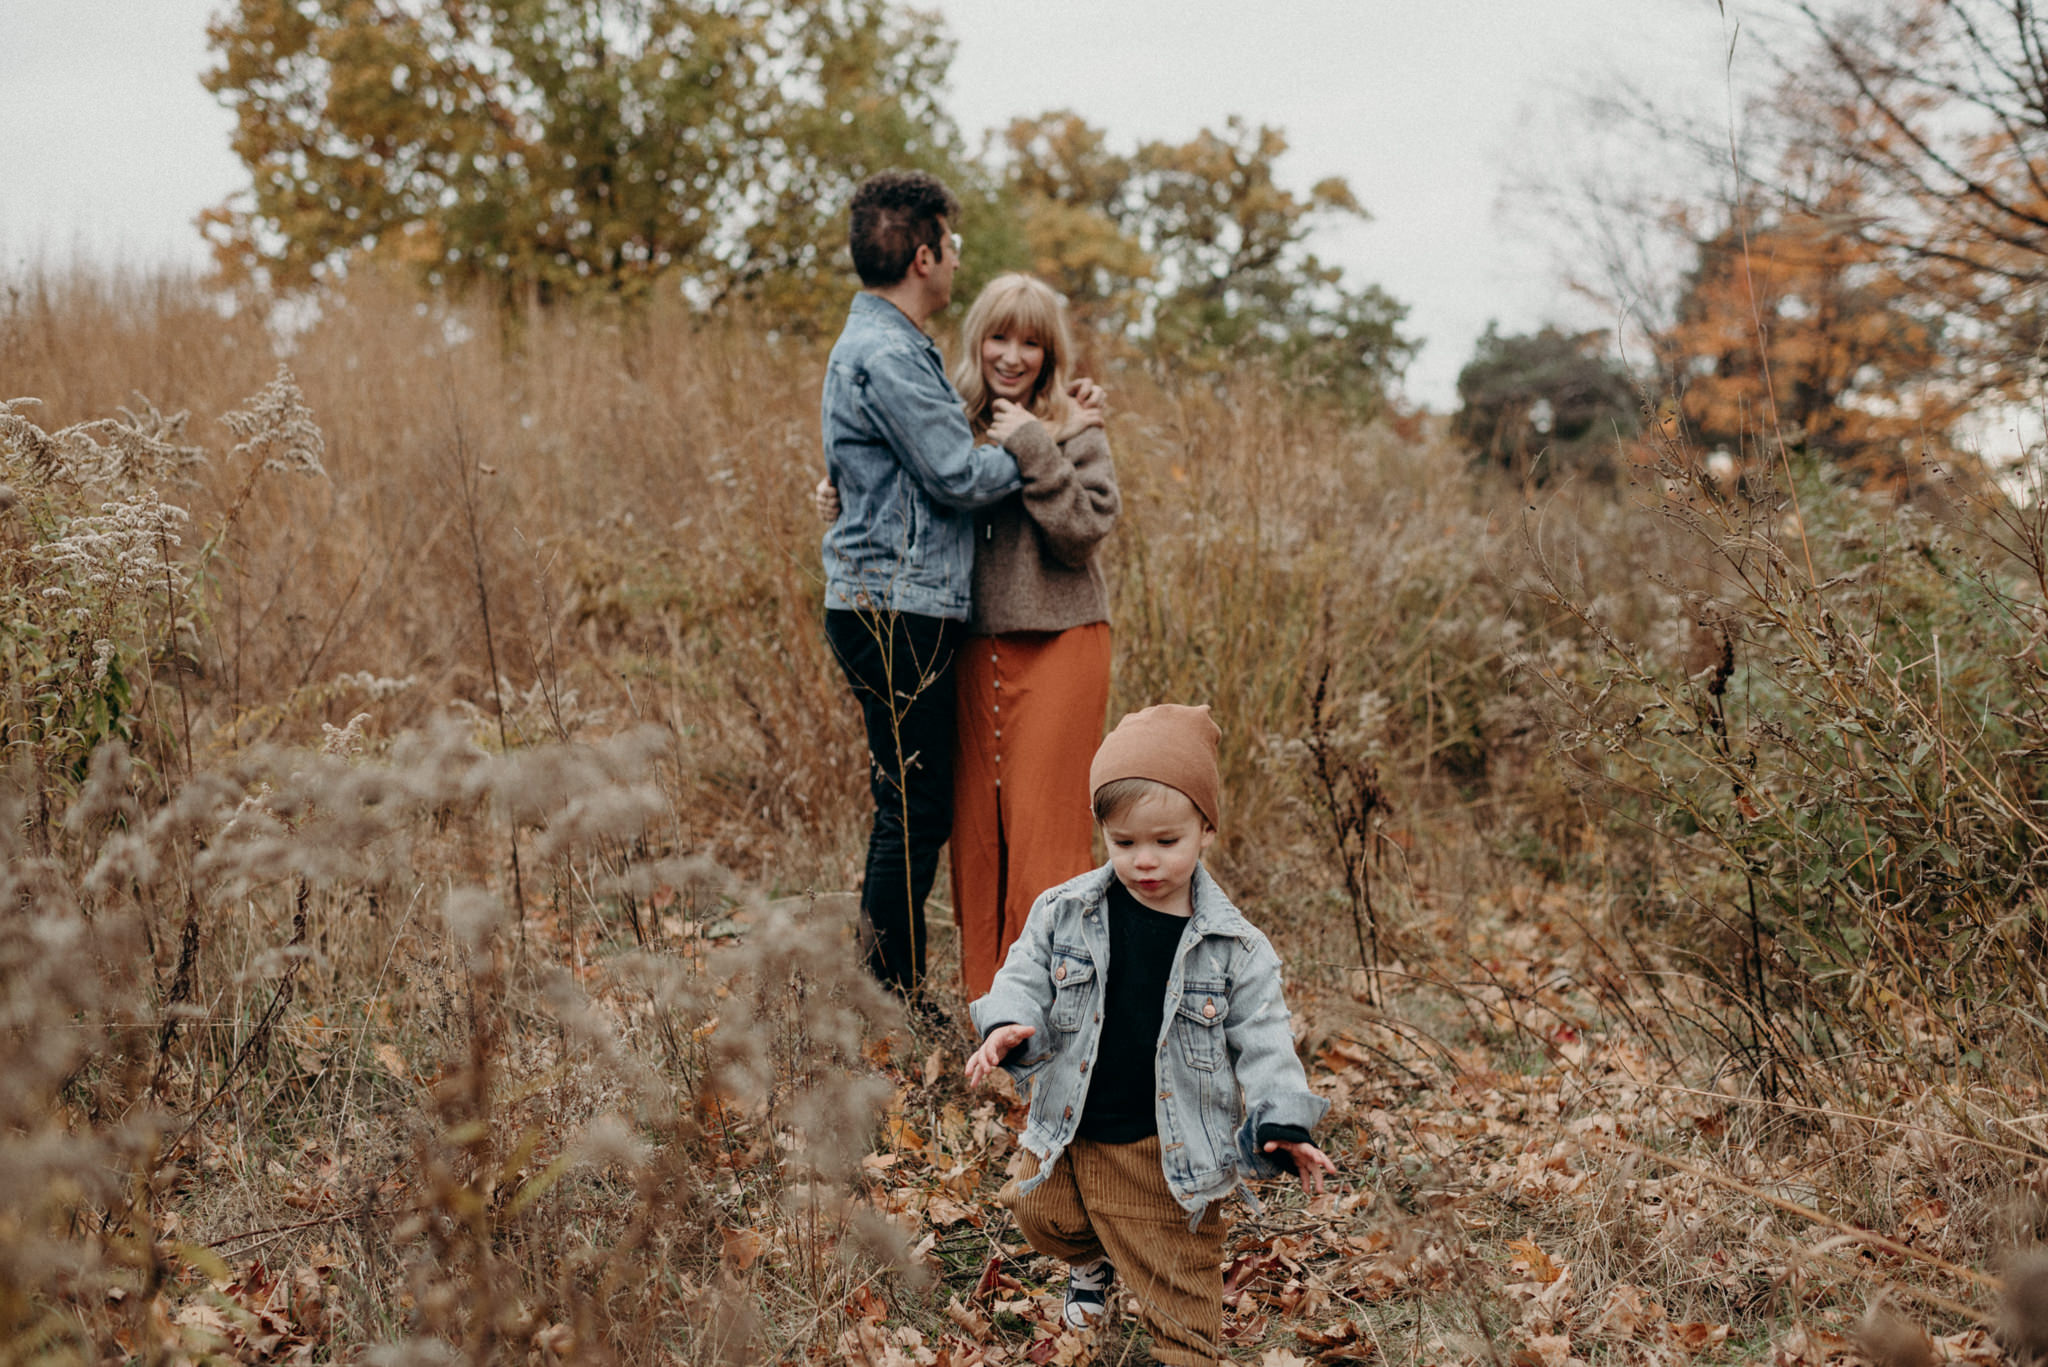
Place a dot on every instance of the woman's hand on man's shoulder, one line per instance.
(1007, 419)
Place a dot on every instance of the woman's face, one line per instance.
(1011, 362)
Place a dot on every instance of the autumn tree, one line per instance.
(1894, 154)
(1073, 199)
(1791, 331)
(1199, 248)
(1939, 110)
(1546, 404)
(555, 147)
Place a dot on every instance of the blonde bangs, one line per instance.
(1026, 305)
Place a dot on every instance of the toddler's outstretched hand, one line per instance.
(1310, 1162)
(997, 1047)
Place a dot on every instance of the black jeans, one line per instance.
(900, 666)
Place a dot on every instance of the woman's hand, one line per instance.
(1008, 418)
(1310, 1163)
(825, 498)
(1090, 409)
(997, 1047)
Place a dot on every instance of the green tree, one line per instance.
(1234, 277)
(554, 147)
(1197, 248)
(1072, 196)
(1547, 404)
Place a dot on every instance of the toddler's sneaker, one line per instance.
(1087, 1292)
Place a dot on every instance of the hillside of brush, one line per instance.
(433, 817)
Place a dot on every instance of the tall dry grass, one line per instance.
(413, 952)
(456, 987)
(645, 553)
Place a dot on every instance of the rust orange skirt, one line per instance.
(1031, 712)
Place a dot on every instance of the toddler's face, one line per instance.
(1154, 845)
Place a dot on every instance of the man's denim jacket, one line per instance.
(898, 448)
(1225, 1052)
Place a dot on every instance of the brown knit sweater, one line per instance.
(1034, 552)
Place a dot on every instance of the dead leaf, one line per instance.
(1925, 1217)
(864, 1304)
(1545, 1350)
(1975, 1346)
(943, 1211)
(1250, 1329)
(1811, 1346)
(1694, 1337)
(743, 1248)
(1629, 1311)
(1532, 1262)
(973, 1321)
(994, 1279)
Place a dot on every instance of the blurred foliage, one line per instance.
(1199, 248)
(1546, 405)
(1791, 330)
(549, 148)
(1858, 263)
(555, 147)
(1938, 113)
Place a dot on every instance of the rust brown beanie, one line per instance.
(1168, 744)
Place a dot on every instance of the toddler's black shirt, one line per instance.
(1123, 1094)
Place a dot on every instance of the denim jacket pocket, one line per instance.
(1204, 1006)
(1073, 980)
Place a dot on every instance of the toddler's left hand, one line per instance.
(1310, 1163)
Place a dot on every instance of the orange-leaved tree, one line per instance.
(1939, 108)
(1790, 330)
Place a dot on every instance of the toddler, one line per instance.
(1143, 1015)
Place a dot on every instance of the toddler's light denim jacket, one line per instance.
(1225, 1052)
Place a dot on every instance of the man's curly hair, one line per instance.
(895, 213)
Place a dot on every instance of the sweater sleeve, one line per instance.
(1282, 1134)
(1069, 491)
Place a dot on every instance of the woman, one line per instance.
(1034, 676)
(1033, 680)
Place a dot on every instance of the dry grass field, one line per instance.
(431, 813)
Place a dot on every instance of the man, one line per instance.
(899, 560)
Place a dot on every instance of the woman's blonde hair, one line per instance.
(1022, 304)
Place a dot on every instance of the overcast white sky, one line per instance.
(109, 147)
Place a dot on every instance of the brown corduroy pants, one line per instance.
(1112, 1200)
(1031, 706)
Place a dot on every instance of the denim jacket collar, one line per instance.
(868, 304)
(1213, 913)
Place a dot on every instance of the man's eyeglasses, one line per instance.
(954, 238)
